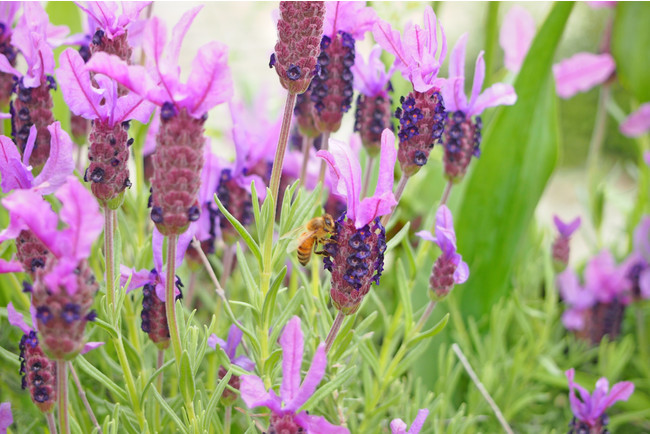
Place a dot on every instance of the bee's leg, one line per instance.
(324, 243)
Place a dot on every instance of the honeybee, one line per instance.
(315, 231)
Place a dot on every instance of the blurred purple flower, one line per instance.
(590, 408)
(371, 79)
(581, 72)
(6, 418)
(516, 36)
(209, 82)
(293, 394)
(345, 170)
(566, 229)
(113, 18)
(454, 92)
(351, 17)
(17, 173)
(638, 263)
(230, 347)
(637, 124)
(579, 299)
(397, 426)
(418, 55)
(598, 4)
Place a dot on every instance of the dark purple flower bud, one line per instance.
(462, 141)
(38, 372)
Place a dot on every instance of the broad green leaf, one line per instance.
(520, 152)
(631, 47)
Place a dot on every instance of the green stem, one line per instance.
(425, 316)
(170, 302)
(62, 396)
(491, 34)
(278, 161)
(109, 257)
(84, 399)
(51, 424)
(128, 376)
(228, 419)
(336, 325)
(445, 194)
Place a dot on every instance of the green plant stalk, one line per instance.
(51, 424)
(62, 395)
(159, 384)
(445, 195)
(491, 35)
(228, 419)
(278, 161)
(84, 399)
(170, 302)
(128, 376)
(109, 256)
(336, 325)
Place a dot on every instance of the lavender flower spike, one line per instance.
(293, 394)
(6, 418)
(561, 248)
(230, 347)
(449, 268)
(356, 256)
(589, 409)
(462, 133)
(637, 123)
(397, 426)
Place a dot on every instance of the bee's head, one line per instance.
(329, 222)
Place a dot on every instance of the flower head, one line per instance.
(419, 54)
(230, 348)
(345, 170)
(590, 408)
(372, 78)
(352, 17)
(293, 394)
(637, 123)
(113, 18)
(397, 426)
(6, 418)
(16, 172)
(209, 82)
(561, 247)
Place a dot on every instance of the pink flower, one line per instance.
(293, 394)
(345, 170)
(371, 79)
(454, 92)
(418, 55)
(6, 417)
(397, 426)
(230, 347)
(209, 82)
(566, 229)
(16, 173)
(351, 17)
(112, 18)
(590, 408)
(581, 72)
(516, 36)
(638, 123)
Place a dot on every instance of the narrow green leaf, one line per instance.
(216, 394)
(248, 239)
(154, 376)
(288, 311)
(101, 378)
(186, 377)
(329, 387)
(501, 194)
(398, 237)
(404, 295)
(269, 301)
(631, 47)
(170, 412)
(431, 332)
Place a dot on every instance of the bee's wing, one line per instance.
(298, 238)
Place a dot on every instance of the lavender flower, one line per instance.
(449, 268)
(110, 113)
(373, 103)
(638, 263)
(638, 122)
(152, 282)
(179, 154)
(397, 426)
(34, 36)
(64, 287)
(418, 56)
(331, 89)
(284, 416)
(516, 36)
(561, 248)
(462, 133)
(8, 12)
(230, 347)
(356, 255)
(6, 418)
(589, 410)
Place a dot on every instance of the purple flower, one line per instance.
(230, 347)
(579, 299)
(6, 418)
(209, 82)
(293, 394)
(371, 79)
(351, 17)
(449, 268)
(113, 18)
(590, 408)
(345, 170)
(416, 55)
(566, 229)
(516, 36)
(35, 37)
(16, 173)
(637, 124)
(581, 72)
(454, 92)
(398, 426)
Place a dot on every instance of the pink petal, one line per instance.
(516, 36)
(477, 84)
(79, 94)
(461, 274)
(157, 240)
(8, 11)
(29, 146)
(581, 72)
(453, 94)
(598, 4)
(372, 207)
(6, 67)
(62, 275)
(254, 393)
(497, 94)
(312, 379)
(234, 338)
(398, 426)
(571, 291)
(215, 340)
(28, 210)
(620, 392)
(81, 213)
(138, 278)
(445, 221)
(646, 157)
(6, 418)
(345, 170)
(10, 266)
(59, 164)
(150, 140)
(637, 124)
(178, 34)
(566, 229)
(418, 423)
(244, 363)
(292, 345)
(89, 346)
(390, 40)
(386, 163)
(352, 17)
(426, 235)
(210, 82)
(132, 106)
(13, 174)
(573, 319)
(644, 283)
(16, 319)
(457, 58)
(319, 425)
